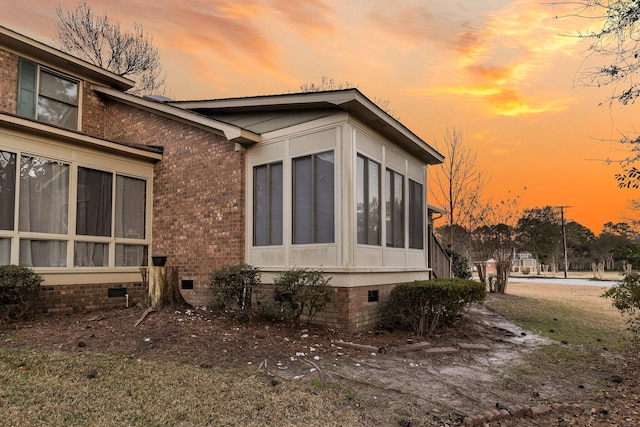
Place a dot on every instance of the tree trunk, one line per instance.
(503, 268)
(163, 287)
(480, 266)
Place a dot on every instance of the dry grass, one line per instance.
(61, 389)
(573, 313)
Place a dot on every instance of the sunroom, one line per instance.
(335, 183)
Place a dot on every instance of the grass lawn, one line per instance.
(59, 389)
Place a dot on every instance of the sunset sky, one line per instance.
(502, 71)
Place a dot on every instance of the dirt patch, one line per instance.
(418, 385)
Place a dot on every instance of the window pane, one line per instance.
(395, 209)
(416, 215)
(89, 254)
(398, 215)
(324, 199)
(361, 206)
(5, 251)
(130, 255)
(93, 215)
(276, 204)
(302, 219)
(388, 192)
(43, 253)
(368, 201)
(268, 205)
(261, 206)
(7, 190)
(57, 113)
(44, 195)
(131, 203)
(58, 88)
(374, 203)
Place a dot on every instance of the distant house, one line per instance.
(93, 181)
(525, 262)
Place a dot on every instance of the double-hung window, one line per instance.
(47, 96)
(416, 215)
(368, 201)
(267, 204)
(395, 209)
(313, 198)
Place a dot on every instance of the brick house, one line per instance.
(93, 181)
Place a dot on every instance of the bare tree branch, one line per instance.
(458, 185)
(95, 39)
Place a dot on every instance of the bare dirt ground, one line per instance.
(416, 386)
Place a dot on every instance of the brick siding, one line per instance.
(8, 81)
(93, 111)
(80, 298)
(198, 201)
(350, 310)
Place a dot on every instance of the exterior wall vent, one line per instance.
(116, 292)
(373, 296)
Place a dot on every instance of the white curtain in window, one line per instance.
(43, 253)
(7, 189)
(130, 255)
(5, 251)
(44, 202)
(89, 254)
(130, 207)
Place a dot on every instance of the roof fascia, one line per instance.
(350, 100)
(41, 52)
(37, 128)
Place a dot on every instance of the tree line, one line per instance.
(539, 231)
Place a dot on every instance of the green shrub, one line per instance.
(425, 306)
(526, 270)
(302, 292)
(234, 285)
(625, 297)
(459, 265)
(19, 290)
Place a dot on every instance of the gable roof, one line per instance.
(63, 61)
(231, 132)
(270, 112)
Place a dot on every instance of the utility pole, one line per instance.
(564, 238)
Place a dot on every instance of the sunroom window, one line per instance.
(368, 201)
(395, 209)
(313, 199)
(416, 215)
(267, 204)
(47, 96)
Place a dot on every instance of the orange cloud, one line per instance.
(493, 73)
(309, 17)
